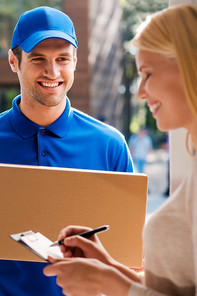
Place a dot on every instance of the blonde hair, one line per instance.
(172, 32)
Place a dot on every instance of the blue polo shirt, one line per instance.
(74, 140)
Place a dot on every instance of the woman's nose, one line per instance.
(141, 93)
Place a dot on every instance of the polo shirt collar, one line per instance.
(27, 128)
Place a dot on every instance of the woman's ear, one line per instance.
(12, 59)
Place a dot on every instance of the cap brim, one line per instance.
(29, 43)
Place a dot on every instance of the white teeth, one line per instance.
(154, 107)
(55, 84)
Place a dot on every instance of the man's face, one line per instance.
(47, 72)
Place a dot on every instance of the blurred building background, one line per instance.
(106, 78)
(105, 60)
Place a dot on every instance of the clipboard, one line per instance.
(48, 199)
(37, 243)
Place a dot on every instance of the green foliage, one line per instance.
(135, 11)
(6, 97)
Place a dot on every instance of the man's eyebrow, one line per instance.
(65, 54)
(37, 54)
(32, 55)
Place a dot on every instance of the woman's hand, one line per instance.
(82, 277)
(77, 246)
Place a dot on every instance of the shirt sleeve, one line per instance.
(124, 162)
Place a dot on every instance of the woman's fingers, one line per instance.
(72, 230)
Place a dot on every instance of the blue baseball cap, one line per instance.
(40, 24)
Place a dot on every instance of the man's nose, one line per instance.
(52, 70)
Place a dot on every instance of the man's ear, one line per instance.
(75, 62)
(12, 59)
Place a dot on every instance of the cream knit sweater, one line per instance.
(170, 244)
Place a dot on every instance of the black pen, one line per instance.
(85, 234)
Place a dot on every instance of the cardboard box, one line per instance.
(45, 200)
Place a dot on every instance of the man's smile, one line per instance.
(50, 84)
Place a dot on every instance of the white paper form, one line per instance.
(38, 244)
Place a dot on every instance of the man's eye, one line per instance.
(37, 59)
(63, 59)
